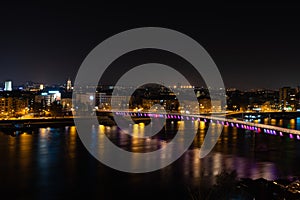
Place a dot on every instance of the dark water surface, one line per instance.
(52, 163)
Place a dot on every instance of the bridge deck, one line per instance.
(269, 129)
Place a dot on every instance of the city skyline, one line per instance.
(176, 85)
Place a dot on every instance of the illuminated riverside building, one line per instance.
(105, 101)
(13, 106)
(6, 106)
(69, 85)
(46, 98)
(288, 100)
(8, 86)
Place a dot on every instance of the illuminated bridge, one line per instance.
(256, 127)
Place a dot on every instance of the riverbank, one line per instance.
(28, 123)
(228, 186)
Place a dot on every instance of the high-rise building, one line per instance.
(8, 86)
(69, 85)
(287, 97)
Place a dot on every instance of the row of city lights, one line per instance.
(226, 123)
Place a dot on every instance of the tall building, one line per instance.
(69, 85)
(8, 86)
(287, 97)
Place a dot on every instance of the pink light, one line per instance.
(280, 133)
(291, 136)
(298, 137)
(205, 120)
(237, 125)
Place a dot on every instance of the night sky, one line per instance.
(254, 46)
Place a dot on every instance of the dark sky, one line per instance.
(253, 45)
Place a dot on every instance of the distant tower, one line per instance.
(8, 86)
(69, 85)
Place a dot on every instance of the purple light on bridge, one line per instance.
(298, 137)
(222, 123)
(211, 121)
(198, 119)
(205, 120)
(291, 136)
(178, 117)
(232, 125)
(182, 117)
(193, 118)
(218, 122)
(280, 133)
(187, 118)
(237, 125)
(227, 123)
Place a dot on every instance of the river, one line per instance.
(52, 163)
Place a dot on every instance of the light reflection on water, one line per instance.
(54, 161)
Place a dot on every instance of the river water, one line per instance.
(52, 163)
